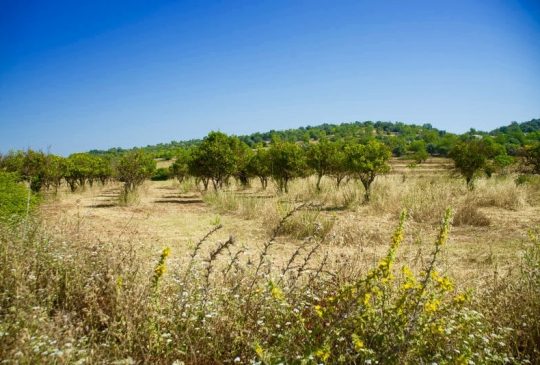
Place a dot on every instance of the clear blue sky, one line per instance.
(77, 75)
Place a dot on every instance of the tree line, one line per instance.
(218, 158)
(404, 140)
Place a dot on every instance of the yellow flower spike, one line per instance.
(166, 252)
(160, 268)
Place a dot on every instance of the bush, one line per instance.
(13, 197)
(161, 174)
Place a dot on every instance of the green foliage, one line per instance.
(180, 168)
(13, 197)
(287, 161)
(215, 159)
(532, 158)
(366, 162)
(132, 169)
(321, 158)
(259, 165)
(418, 151)
(471, 158)
(161, 174)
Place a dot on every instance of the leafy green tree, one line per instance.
(338, 164)
(259, 165)
(242, 155)
(418, 151)
(180, 168)
(320, 158)
(532, 157)
(214, 160)
(366, 162)
(55, 171)
(80, 170)
(471, 158)
(287, 161)
(133, 168)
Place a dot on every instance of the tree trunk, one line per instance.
(319, 177)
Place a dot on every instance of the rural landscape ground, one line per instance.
(496, 217)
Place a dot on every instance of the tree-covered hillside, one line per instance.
(401, 138)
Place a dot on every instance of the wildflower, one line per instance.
(323, 353)
(318, 309)
(432, 305)
(443, 282)
(460, 298)
(357, 342)
(276, 292)
(259, 350)
(367, 298)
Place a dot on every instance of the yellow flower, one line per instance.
(460, 298)
(357, 342)
(367, 298)
(323, 353)
(432, 305)
(276, 291)
(319, 310)
(259, 350)
(166, 252)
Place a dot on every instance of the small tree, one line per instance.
(471, 158)
(532, 158)
(320, 158)
(180, 168)
(32, 169)
(259, 165)
(366, 162)
(242, 154)
(419, 151)
(287, 161)
(214, 159)
(80, 170)
(55, 170)
(338, 163)
(133, 168)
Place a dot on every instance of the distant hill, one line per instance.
(397, 135)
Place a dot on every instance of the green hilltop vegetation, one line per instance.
(400, 137)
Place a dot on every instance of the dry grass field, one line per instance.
(246, 275)
(490, 223)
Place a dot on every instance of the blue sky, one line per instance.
(78, 75)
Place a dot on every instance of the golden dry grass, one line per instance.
(491, 222)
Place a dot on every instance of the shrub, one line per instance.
(14, 198)
(469, 215)
(161, 174)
